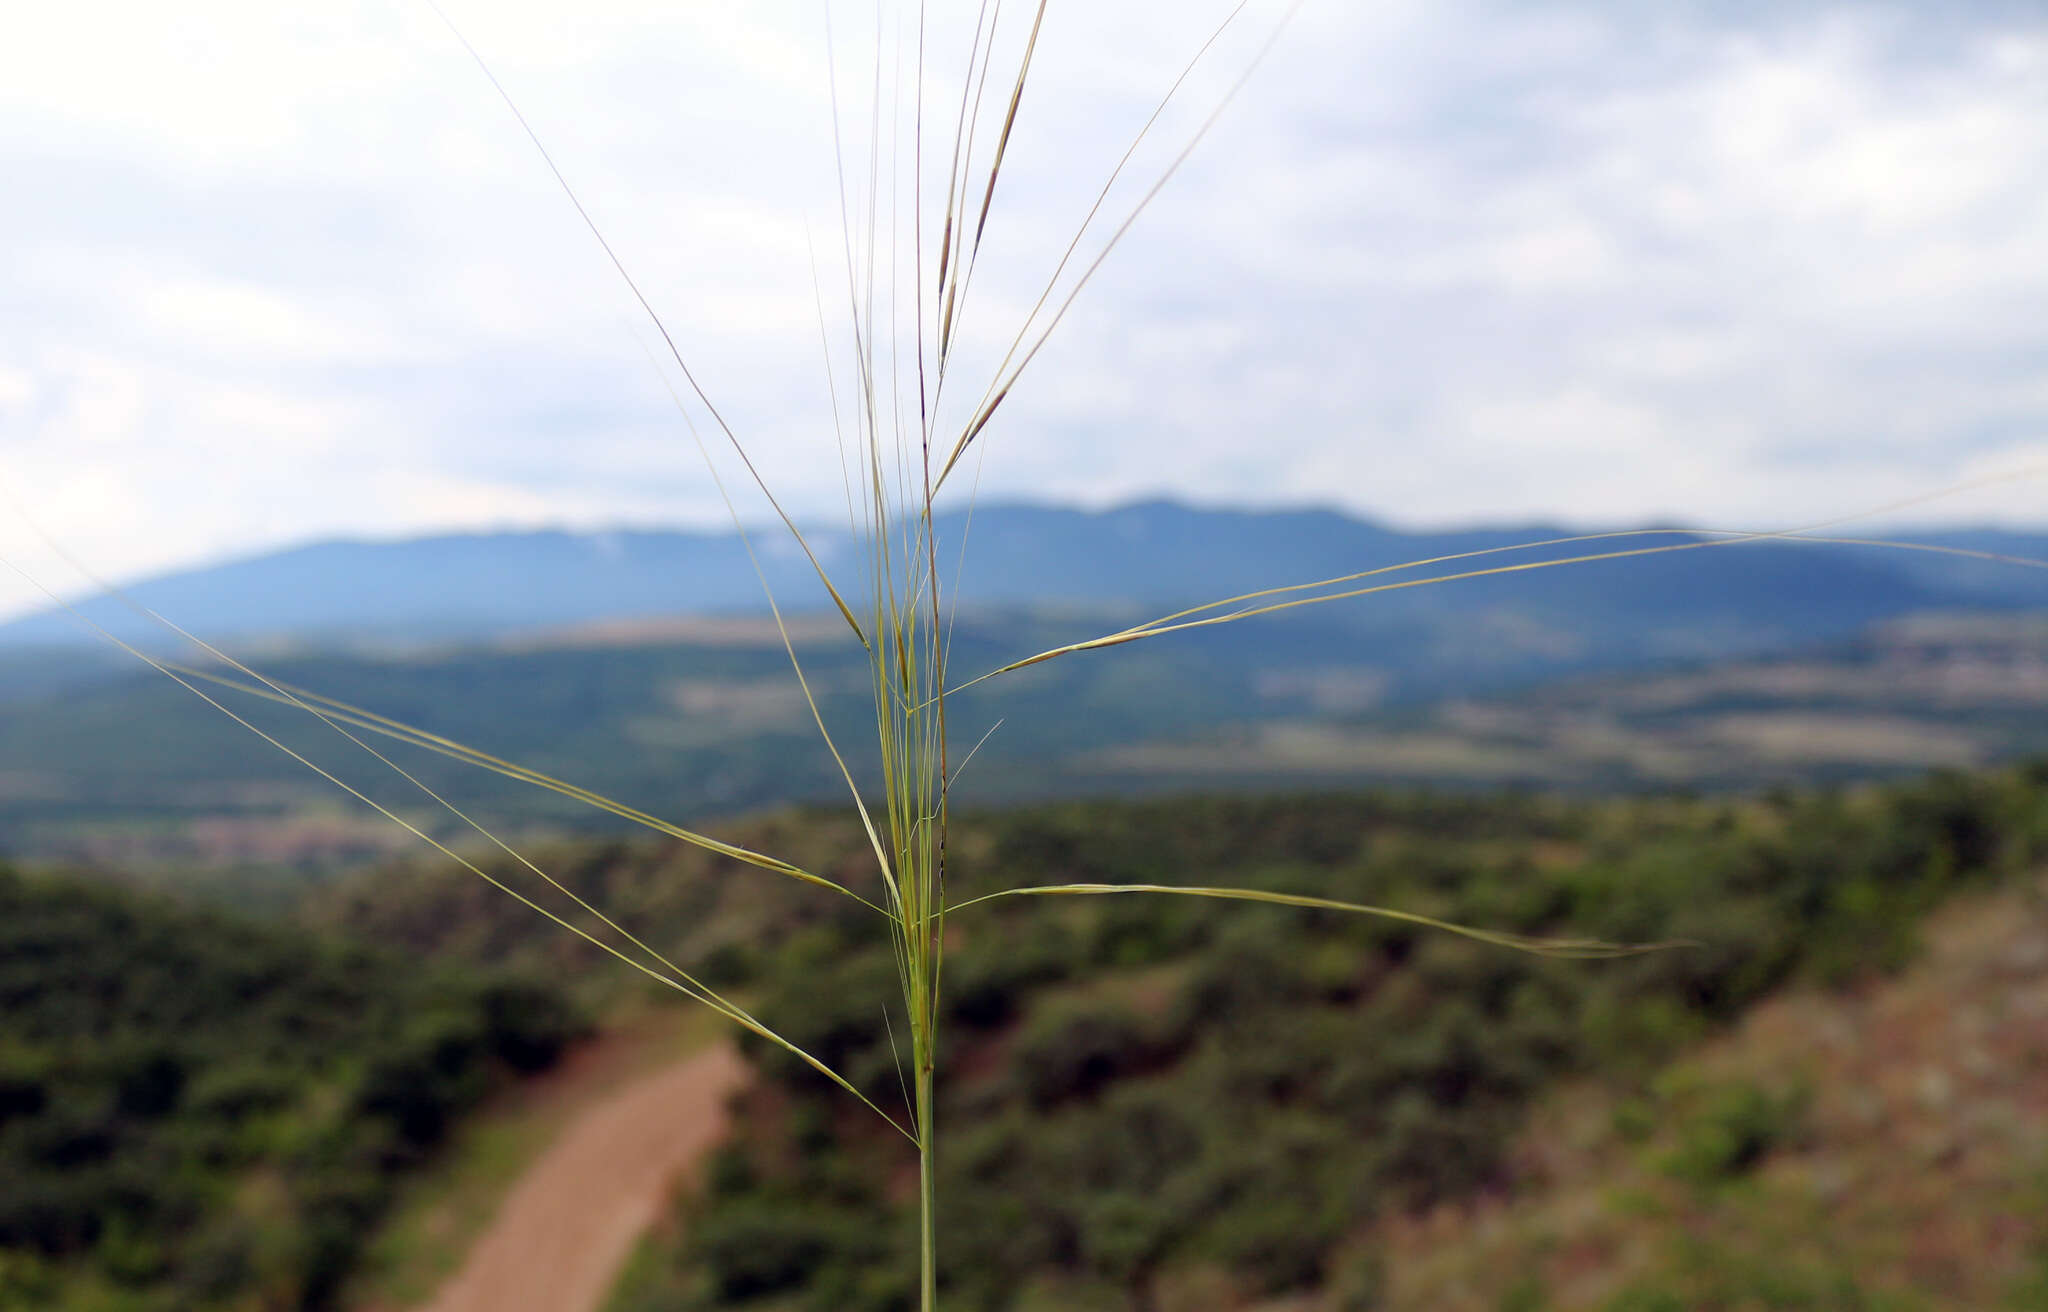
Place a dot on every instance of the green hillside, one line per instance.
(198, 1111)
(1155, 1104)
(1172, 1105)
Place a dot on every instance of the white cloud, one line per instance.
(272, 272)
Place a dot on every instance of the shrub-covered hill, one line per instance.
(1880, 1148)
(1164, 1104)
(198, 1111)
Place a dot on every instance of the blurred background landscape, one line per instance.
(301, 350)
(265, 1051)
(1744, 664)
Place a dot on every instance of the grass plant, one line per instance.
(911, 427)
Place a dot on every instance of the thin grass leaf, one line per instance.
(788, 647)
(1806, 531)
(1581, 949)
(417, 737)
(676, 976)
(340, 717)
(968, 759)
(680, 980)
(1158, 628)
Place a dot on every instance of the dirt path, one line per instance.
(564, 1231)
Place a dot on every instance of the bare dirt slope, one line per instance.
(557, 1243)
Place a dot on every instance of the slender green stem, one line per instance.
(927, 1193)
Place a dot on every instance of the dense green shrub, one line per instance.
(1724, 1130)
(1074, 1049)
(153, 1056)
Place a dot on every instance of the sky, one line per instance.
(271, 273)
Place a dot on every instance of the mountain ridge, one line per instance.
(481, 586)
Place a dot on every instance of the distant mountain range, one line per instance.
(466, 588)
(639, 664)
